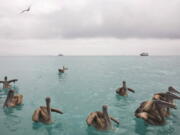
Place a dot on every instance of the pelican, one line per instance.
(62, 70)
(13, 100)
(43, 113)
(26, 10)
(101, 120)
(154, 111)
(6, 83)
(123, 90)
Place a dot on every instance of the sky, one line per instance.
(89, 27)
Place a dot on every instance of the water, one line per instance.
(89, 83)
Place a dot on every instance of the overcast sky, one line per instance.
(90, 27)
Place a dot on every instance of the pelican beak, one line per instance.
(48, 99)
(105, 108)
(173, 95)
(173, 90)
(165, 104)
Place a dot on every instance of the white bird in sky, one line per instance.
(26, 10)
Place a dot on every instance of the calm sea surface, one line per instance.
(89, 83)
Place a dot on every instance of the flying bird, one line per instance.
(26, 10)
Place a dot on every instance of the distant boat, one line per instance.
(60, 55)
(144, 54)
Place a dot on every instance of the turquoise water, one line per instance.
(89, 83)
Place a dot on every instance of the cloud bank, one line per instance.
(69, 19)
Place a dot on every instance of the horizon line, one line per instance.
(79, 55)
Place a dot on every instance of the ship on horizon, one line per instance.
(144, 54)
(60, 55)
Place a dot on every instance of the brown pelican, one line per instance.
(13, 100)
(62, 70)
(43, 113)
(101, 120)
(6, 83)
(26, 10)
(153, 112)
(123, 90)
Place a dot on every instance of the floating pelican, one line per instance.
(6, 83)
(62, 70)
(153, 112)
(13, 100)
(101, 120)
(43, 113)
(123, 90)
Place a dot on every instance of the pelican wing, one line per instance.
(56, 110)
(29, 8)
(36, 114)
(143, 115)
(1, 81)
(156, 96)
(161, 94)
(14, 80)
(164, 104)
(19, 99)
(23, 11)
(5, 103)
(131, 90)
(118, 89)
(152, 116)
(90, 118)
(113, 119)
(44, 114)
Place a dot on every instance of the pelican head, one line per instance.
(173, 90)
(172, 95)
(5, 78)
(124, 84)
(105, 109)
(48, 101)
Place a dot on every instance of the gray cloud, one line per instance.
(91, 19)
